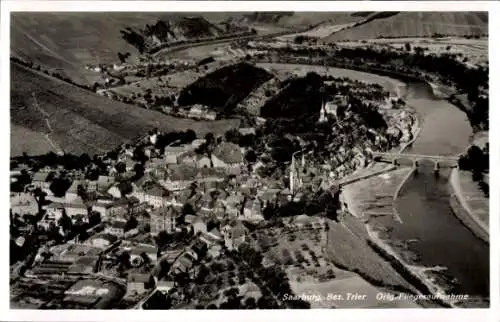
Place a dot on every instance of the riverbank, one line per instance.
(463, 210)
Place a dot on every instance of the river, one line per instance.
(439, 238)
(433, 237)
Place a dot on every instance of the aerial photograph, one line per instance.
(249, 160)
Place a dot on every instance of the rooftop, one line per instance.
(181, 172)
(40, 176)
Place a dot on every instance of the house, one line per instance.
(139, 208)
(179, 177)
(252, 210)
(213, 237)
(76, 208)
(331, 108)
(197, 143)
(163, 219)
(171, 255)
(137, 251)
(234, 203)
(199, 226)
(190, 219)
(215, 251)
(173, 153)
(91, 186)
(153, 194)
(210, 115)
(202, 161)
(23, 204)
(104, 182)
(102, 240)
(53, 212)
(247, 130)
(115, 192)
(40, 181)
(74, 251)
(72, 192)
(228, 156)
(84, 265)
(165, 286)
(116, 228)
(102, 208)
(197, 111)
(137, 283)
(183, 262)
(234, 235)
(115, 209)
(155, 165)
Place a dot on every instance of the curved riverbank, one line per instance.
(462, 210)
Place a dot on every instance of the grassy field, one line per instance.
(348, 249)
(25, 140)
(417, 24)
(81, 121)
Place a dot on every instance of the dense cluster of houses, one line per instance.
(209, 197)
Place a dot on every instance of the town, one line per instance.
(241, 196)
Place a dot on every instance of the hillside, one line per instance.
(416, 24)
(79, 121)
(300, 99)
(70, 40)
(225, 87)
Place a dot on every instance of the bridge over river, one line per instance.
(438, 161)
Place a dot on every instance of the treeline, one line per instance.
(31, 65)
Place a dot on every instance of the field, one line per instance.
(80, 120)
(417, 24)
(348, 249)
(476, 50)
(344, 283)
(169, 84)
(23, 139)
(312, 260)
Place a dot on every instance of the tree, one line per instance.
(250, 303)
(59, 186)
(145, 258)
(94, 218)
(131, 223)
(65, 222)
(125, 187)
(251, 156)
(162, 239)
(210, 138)
(124, 260)
(476, 175)
(120, 167)
(139, 171)
(188, 209)
(190, 136)
(407, 46)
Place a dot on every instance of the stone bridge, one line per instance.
(415, 160)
